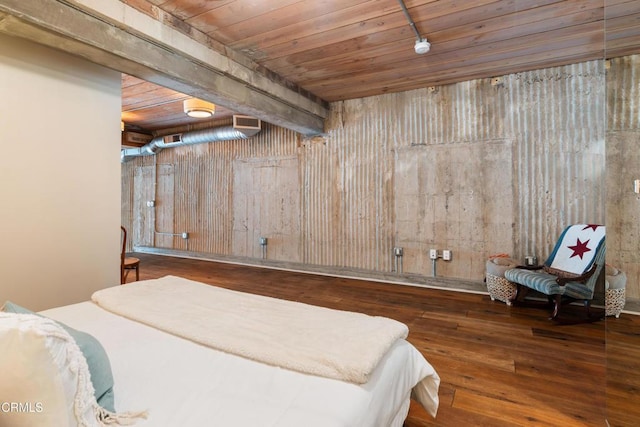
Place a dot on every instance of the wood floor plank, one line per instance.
(513, 385)
(499, 366)
(455, 352)
(512, 411)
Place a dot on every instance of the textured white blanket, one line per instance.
(577, 249)
(330, 343)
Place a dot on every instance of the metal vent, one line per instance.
(246, 122)
(136, 138)
(177, 137)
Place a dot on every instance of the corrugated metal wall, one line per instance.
(557, 120)
(498, 167)
(623, 92)
(198, 192)
(623, 167)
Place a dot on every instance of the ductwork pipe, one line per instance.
(224, 133)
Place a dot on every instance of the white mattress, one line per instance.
(185, 384)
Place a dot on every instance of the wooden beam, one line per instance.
(152, 55)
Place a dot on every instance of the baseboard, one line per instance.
(459, 285)
(632, 305)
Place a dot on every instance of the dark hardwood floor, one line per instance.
(499, 365)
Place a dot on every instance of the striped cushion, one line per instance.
(546, 283)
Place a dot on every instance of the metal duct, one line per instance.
(223, 133)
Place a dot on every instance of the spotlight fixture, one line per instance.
(422, 46)
(198, 108)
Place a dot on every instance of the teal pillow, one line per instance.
(97, 359)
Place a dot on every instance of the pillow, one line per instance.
(615, 279)
(45, 378)
(610, 270)
(503, 261)
(97, 359)
(497, 266)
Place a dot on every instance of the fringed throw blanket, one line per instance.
(46, 366)
(330, 343)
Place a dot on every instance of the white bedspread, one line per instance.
(314, 340)
(185, 384)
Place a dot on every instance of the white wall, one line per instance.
(59, 176)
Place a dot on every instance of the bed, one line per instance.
(178, 378)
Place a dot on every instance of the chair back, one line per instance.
(123, 241)
(599, 261)
(577, 249)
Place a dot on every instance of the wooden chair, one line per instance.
(571, 271)
(127, 263)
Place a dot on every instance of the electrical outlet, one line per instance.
(397, 251)
(433, 254)
(263, 241)
(185, 235)
(446, 255)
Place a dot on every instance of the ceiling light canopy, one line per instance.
(422, 46)
(198, 108)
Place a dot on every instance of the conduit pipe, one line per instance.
(157, 144)
(408, 16)
(422, 45)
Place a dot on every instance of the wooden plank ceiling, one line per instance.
(345, 49)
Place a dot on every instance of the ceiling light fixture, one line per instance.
(422, 45)
(198, 108)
